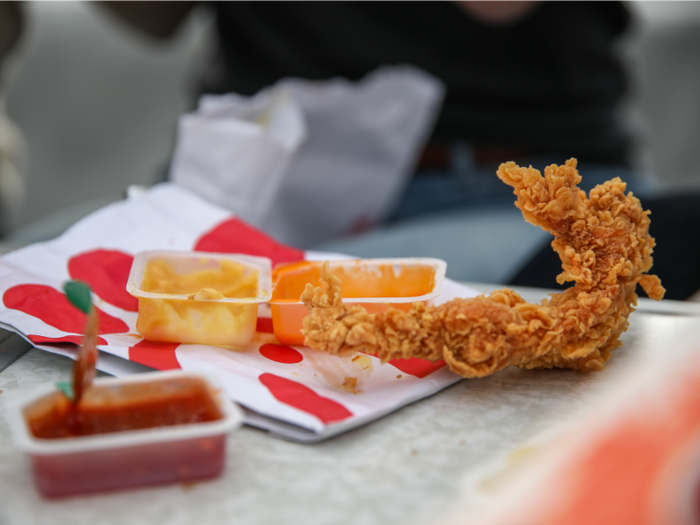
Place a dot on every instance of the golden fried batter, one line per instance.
(604, 244)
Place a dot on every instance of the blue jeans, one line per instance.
(470, 186)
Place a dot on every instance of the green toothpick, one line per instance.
(78, 294)
(67, 388)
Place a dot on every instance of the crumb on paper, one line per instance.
(363, 362)
(414, 452)
(350, 385)
(462, 442)
(189, 485)
(399, 376)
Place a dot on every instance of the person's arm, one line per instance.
(498, 13)
(11, 25)
(156, 19)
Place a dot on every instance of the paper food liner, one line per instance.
(295, 392)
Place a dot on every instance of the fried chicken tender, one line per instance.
(604, 244)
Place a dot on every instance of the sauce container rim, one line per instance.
(232, 418)
(262, 264)
(439, 265)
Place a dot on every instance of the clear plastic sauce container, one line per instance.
(373, 283)
(200, 298)
(152, 428)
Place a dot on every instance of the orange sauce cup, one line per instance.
(373, 283)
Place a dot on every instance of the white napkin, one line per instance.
(305, 160)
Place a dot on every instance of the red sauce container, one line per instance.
(189, 448)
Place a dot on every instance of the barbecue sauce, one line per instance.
(135, 406)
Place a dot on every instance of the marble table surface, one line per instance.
(405, 468)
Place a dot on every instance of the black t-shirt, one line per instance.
(550, 83)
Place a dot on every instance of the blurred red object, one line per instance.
(634, 460)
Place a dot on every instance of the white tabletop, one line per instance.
(405, 468)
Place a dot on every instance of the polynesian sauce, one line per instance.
(358, 280)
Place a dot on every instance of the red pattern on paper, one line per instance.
(235, 236)
(52, 307)
(281, 354)
(156, 355)
(302, 397)
(106, 271)
(75, 339)
(264, 325)
(417, 367)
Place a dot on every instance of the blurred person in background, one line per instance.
(526, 81)
(12, 150)
(11, 23)
(533, 82)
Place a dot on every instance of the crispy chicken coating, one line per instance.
(604, 244)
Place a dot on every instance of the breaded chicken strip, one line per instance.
(604, 244)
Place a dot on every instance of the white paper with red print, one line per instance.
(296, 392)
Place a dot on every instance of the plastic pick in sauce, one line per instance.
(78, 294)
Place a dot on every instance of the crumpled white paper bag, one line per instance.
(234, 150)
(308, 160)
